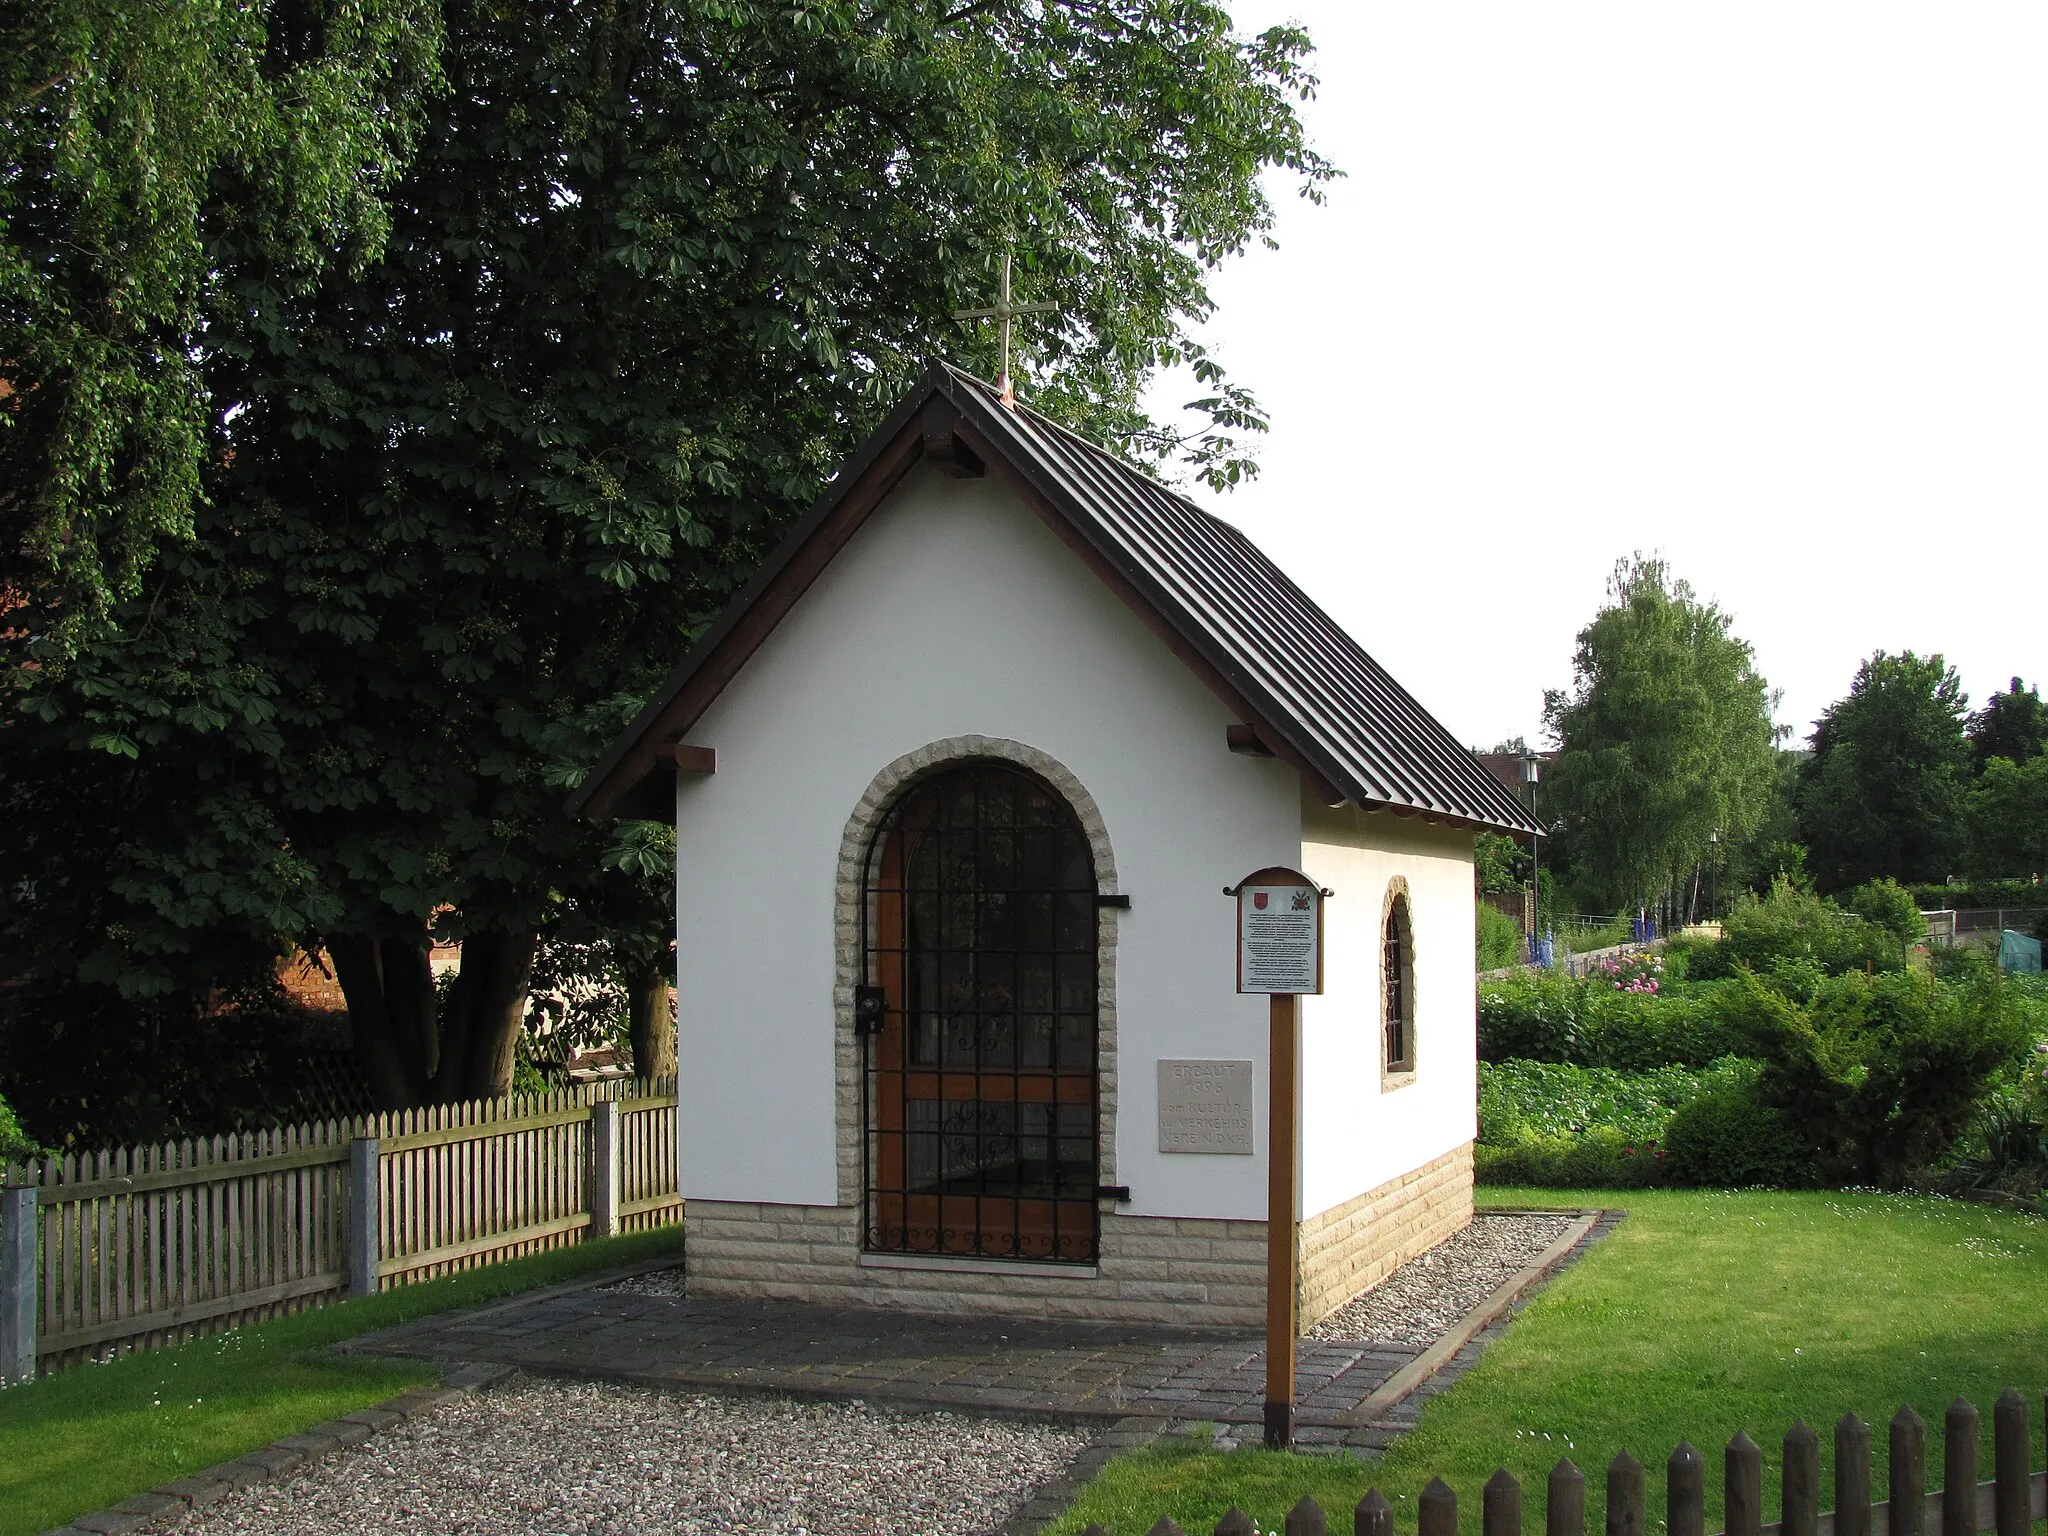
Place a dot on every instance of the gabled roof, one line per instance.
(1305, 690)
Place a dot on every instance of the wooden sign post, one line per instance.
(1280, 953)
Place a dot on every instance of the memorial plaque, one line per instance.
(1205, 1106)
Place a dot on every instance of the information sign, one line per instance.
(1279, 934)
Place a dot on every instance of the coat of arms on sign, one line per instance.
(1259, 900)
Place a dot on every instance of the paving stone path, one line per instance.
(1070, 1370)
(1077, 1370)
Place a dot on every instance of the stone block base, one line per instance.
(1153, 1269)
(1354, 1246)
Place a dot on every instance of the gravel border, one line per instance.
(1429, 1295)
(538, 1455)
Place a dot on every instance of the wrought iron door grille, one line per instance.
(979, 1090)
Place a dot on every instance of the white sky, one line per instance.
(1759, 286)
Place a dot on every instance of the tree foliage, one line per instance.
(2012, 725)
(1665, 737)
(2006, 817)
(1881, 793)
(129, 134)
(655, 267)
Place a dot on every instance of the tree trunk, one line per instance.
(486, 1010)
(389, 986)
(652, 1016)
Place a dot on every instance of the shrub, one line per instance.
(1792, 924)
(1532, 1016)
(1603, 1160)
(2006, 1148)
(1978, 893)
(1535, 1100)
(1543, 1016)
(1730, 1139)
(1499, 939)
(1889, 907)
(14, 1142)
(1882, 1071)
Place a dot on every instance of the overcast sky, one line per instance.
(1756, 286)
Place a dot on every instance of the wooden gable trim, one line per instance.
(641, 782)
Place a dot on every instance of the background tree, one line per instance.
(2005, 814)
(128, 128)
(1665, 738)
(2012, 725)
(654, 269)
(1881, 793)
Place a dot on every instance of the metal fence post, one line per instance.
(363, 1251)
(604, 1168)
(17, 1285)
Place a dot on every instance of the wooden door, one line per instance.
(981, 1084)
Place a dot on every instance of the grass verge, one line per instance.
(97, 1434)
(1706, 1312)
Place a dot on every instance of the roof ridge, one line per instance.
(1054, 424)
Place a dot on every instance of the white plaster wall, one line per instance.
(956, 612)
(1355, 1137)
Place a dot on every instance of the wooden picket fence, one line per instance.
(2009, 1503)
(144, 1246)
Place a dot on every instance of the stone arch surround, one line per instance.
(861, 828)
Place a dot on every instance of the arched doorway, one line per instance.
(979, 1006)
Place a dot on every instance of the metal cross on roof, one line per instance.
(1005, 311)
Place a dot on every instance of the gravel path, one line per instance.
(1423, 1299)
(537, 1457)
(656, 1282)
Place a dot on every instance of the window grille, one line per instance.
(979, 1082)
(1397, 972)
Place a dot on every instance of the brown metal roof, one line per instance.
(1312, 694)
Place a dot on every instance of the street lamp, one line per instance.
(1532, 771)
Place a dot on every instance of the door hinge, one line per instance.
(870, 1004)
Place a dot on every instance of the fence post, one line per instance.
(1959, 1469)
(1800, 1478)
(1685, 1492)
(1500, 1505)
(1306, 1519)
(363, 1252)
(1436, 1512)
(1908, 1513)
(1624, 1496)
(2009, 1442)
(604, 1168)
(17, 1285)
(1742, 1486)
(1564, 1501)
(1852, 1476)
(1373, 1516)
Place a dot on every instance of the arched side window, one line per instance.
(1397, 984)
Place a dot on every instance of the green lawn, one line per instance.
(1704, 1313)
(97, 1434)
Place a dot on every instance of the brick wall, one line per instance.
(1156, 1269)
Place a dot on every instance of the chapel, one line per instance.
(959, 783)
